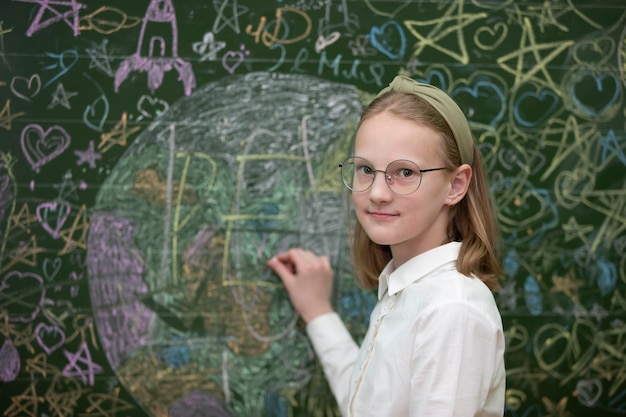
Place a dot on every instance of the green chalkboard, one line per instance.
(154, 153)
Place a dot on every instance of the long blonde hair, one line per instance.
(473, 220)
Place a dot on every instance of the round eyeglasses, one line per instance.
(402, 176)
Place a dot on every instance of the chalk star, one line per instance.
(208, 48)
(25, 404)
(23, 219)
(80, 227)
(573, 229)
(598, 312)
(100, 59)
(524, 71)
(117, 136)
(544, 15)
(454, 15)
(89, 156)
(25, 252)
(6, 117)
(82, 356)
(60, 97)
(567, 285)
(556, 409)
(107, 404)
(44, 6)
(233, 22)
(613, 146)
(67, 189)
(575, 139)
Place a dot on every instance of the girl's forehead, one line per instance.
(402, 133)
(397, 136)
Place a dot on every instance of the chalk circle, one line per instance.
(185, 307)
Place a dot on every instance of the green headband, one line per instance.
(446, 107)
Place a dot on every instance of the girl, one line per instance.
(425, 237)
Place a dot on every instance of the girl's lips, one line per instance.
(380, 215)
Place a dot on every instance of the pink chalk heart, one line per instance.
(52, 216)
(231, 60)
(50, 338)
(40, 147)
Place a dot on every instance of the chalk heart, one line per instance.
(42, 146)
(96, 113)
(574, 186)
(231, 60)
(491, 37)
(511, 158)
(597, 92)
(26, 88)
(389, 39)
(529, 205)
(594, 51)
(51, 268)
(437, 77)
(387, 8)
(50, 338)
(482, 102)
(322, 42)
(534, 108)
(52, 216)
(151, 107)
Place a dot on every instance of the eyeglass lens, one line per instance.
(402, 176)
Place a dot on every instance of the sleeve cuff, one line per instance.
(326, 331)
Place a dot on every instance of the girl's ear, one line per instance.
(459, 184)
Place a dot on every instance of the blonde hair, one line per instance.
(473, 220)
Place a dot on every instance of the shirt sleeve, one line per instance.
(337, 352)
(457, 363)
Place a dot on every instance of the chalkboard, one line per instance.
(154, 153)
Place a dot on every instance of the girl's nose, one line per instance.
(380, 191)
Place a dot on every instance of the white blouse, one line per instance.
(434, 347)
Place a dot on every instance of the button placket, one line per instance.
(386, 307)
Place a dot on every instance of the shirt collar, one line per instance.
(394, 280)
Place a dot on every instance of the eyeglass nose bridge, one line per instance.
(388, 178)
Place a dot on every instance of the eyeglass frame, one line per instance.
(386, 175)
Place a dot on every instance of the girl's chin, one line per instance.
(380, 239)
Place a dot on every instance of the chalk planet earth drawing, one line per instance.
(188, 314)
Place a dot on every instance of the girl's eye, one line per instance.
(364, 169)
(405, 173)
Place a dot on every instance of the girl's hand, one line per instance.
(308, 279)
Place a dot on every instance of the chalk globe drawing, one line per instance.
(189, 316)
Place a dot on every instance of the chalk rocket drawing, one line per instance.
(155, 55)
